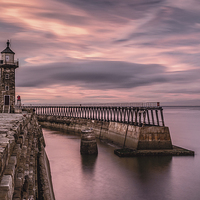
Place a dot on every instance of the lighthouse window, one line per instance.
(7, 88)
(7, 76)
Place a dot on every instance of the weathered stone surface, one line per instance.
(44, 176)
(7, 185)
(3, 195)
(21, 143)
(18, 183)
(13, 160)
(10, 170)
(17, 194)
(88, 143)
(145, 137)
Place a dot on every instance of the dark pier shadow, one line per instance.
(153, 164)
(88, 163)
(147, 166)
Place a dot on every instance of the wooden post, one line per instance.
(88, 113)
(125, 112)
(101, 114)
(148, 116)
(104, 114)
(157, 117)
(139, 118)
(161, 113)
(144, 117)
(111, 114)
(114, 112)
(132, 113)
(135, 118)
(152, 117)
(92, 112)
(97, 114)
(126, 132)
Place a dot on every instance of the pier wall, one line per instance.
(141, 138)
(24, 166)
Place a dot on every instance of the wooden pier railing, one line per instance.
(143, 114)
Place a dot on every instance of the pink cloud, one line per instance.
(52, 32)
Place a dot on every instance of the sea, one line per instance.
(109, 177)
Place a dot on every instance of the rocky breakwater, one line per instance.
(24, 166)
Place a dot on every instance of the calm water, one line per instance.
(142, 178)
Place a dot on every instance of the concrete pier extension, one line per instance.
(147, 137)
(145, 140)
(24, 166)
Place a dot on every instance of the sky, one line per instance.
(104, 51)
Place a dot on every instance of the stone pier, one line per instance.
(24, 166)
(143, 140)
(146, 137)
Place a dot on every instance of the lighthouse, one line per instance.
(7, 78)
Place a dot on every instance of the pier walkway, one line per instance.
(138, 114)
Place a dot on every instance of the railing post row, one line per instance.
(131, 115)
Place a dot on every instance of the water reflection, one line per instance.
(88, 163)
(154, 164)
(108, 176)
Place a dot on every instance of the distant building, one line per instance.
(7, 80)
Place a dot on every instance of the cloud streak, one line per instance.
(145, 50)
(105, 75)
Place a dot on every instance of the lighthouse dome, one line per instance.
(7, 55)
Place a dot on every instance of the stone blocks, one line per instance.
(20, 138)
(88, 143)
(141, 138)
